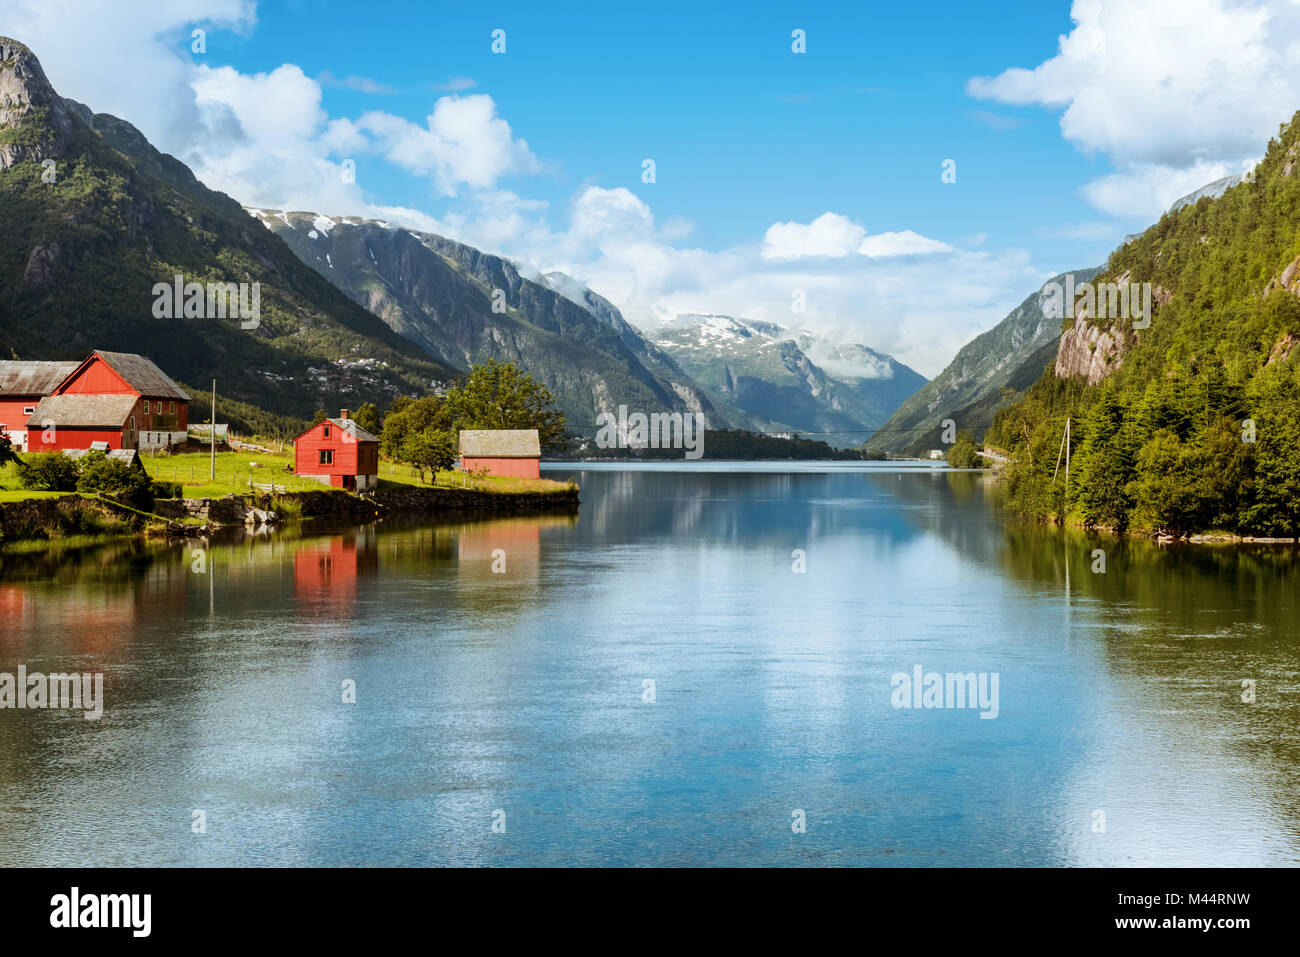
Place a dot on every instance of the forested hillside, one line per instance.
(1196, 425)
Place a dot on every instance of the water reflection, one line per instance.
(502, 664)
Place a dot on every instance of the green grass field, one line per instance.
(11, 490)
(238, 472)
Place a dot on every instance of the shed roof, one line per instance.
(129, 456)
(143, 376)
(500, 443)
(84, 411)
(21, 377)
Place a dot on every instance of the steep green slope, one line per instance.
(972, 386)
(440, 294)
(1191, 424)
(93, 217)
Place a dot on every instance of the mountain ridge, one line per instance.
(95, 217)
(970, 388)
(465, 306)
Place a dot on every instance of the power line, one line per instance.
(929, 428)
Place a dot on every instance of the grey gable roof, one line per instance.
(145, 377)
(500, 443)
(357, 432)
(84, 411)
(21, 377)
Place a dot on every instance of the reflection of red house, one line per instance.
(519, 538)
(117, 398)
(338, 452)
(12, 601)
(326, 569)
(515, 453)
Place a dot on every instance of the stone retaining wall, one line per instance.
(35, 518)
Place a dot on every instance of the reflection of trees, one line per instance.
(1178, 628)
(1175, 627)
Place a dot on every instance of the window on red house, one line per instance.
(326, 456)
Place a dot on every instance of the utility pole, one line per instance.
(1059, 452)
(212, 435)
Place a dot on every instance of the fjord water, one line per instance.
(1121, 736)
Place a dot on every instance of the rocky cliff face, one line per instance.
(1094, 348)
(1089, 351)
(28, 102)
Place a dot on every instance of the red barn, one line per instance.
(513, 453)
(22, 386)
(338, 452)
(114, 397)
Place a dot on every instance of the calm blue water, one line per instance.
(524, 691)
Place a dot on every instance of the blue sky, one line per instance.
(780, 177)
(743, 131)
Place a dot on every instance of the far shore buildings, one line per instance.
(512, 453)
(110, 400)
(338, 452)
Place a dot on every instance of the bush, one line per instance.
(112, 477)
(434, 450)
(163, 489)
(963, 455)
(49, 472)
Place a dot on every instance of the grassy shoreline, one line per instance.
(49, 519)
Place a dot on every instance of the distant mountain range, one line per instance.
(988, 373)
(464, 306)
(355, 310)
(93, 217)
(778, 379)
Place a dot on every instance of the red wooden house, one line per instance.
(114, 397)
(515, 453)
(22, 386)
(338, 452)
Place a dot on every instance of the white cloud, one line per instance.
(277, 109)
(613, 243)
(457, 84)
(1165, 88)
(601, 215)
(463, 142)
(263, 138)
(906, 243)
(830, 234)
(130, 60)
(266, 139)
(362, 84)
(1147, 189)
